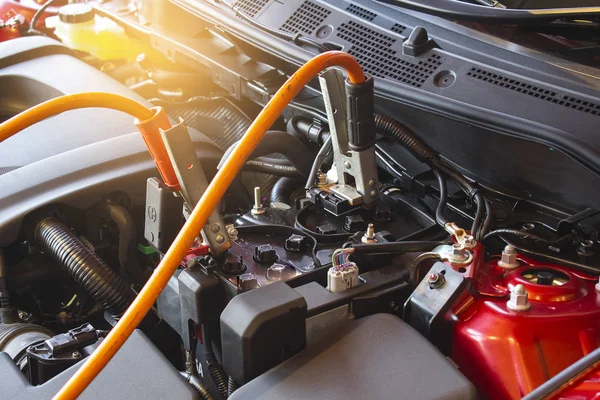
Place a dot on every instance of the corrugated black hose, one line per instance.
(393, 129)
(84, 266)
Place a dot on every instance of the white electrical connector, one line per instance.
(342, 277)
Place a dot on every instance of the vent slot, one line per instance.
(361, 12)
(398, 28)
(535, 91)
(373, 51)
(308, 17)
(251, 7)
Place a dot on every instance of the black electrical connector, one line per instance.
(51, 357)
(360, 107)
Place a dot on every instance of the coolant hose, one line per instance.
(209, 201)
(84, 266)
(127, 240)
(282, 143)
(284, 188)
(272, 166)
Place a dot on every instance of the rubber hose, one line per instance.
(282, 143)
(393, 129)
(271, 168)
(284, 188)
(84, 266)
(127, 241)
(198, 386)
(232, 386)
(38, 14)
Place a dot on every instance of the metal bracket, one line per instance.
(193, 183)
(357, 171)
(426, 307)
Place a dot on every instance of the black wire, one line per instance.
(489, 211)
(395, 247)
(439, 212)
(518, 234)
(319, 160)
(479, 215)
(36, 17)
(471, 192)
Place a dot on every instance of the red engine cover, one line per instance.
(507, 354)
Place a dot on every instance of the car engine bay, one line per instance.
(323, 199)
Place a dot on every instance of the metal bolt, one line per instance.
(232, 232)
(458, 253)
(321, 179)
(469, 241)
(215, 228)
(585, 247)
(347, 165)
(519, 299)
(373, 193)
(528, 226)
(248, 282)
(435, 280)
(372, 183)
(258, 208)
(76, 354)
(220, 239)
(508, 260)
(369, 236)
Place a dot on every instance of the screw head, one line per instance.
(215, 228)
(76, 354)
(469, 241)
(347, 165)
(585, 248)
(232, 232)
(435, 280)
(321, 179)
